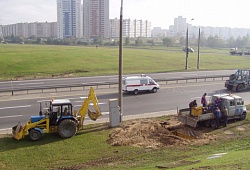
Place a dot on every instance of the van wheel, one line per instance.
(154, 90)
(243, 116)
(136, 91)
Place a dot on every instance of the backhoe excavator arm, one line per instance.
(85, 107)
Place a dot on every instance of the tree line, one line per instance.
(211, 41)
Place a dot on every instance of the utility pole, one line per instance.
(187, 49)
(199, 39)
(120, 100)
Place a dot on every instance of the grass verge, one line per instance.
(24, 61)
(89, 149)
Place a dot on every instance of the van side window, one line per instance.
(232, 103)
(145, 81)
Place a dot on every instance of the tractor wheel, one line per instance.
(35, 135)
(67, 128)
(154, 90)
(240, 87)
(136, 91)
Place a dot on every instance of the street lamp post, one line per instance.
(120, 100)
(187, 50)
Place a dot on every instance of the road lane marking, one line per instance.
(4, 117)
(6, 129)
(14, 107)
(91, 104)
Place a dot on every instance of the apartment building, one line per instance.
(96, 18)
(36, 29)
(130, 28)
(69, 18)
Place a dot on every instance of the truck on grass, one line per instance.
(205, 116)
(239, 81)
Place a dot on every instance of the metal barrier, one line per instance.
(71, 87)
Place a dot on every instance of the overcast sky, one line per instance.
(221, 13)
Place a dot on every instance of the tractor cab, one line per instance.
(59, 109)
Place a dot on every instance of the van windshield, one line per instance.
(151, 81)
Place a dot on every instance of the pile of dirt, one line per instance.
(153, 133)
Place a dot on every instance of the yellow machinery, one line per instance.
(59, 118)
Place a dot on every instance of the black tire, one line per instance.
(67, 128)
(232, 77)
(154, 90)
(243, 116)
(240, 88)
(136, 91)
(35, 135)
(213, 123)
(207, 123)
(229, 87)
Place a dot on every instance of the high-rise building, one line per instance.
(96, 18)
(69, 18)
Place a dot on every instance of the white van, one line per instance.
(135, 84)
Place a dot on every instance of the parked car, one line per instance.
(189, 49)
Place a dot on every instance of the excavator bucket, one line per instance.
(84, 109)
(93, 115)
(17, 131)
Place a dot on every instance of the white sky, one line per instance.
(221, 13)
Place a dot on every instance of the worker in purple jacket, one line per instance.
(203, 100)
(217, 114)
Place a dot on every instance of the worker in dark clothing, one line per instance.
(192, 104)
(225, 116)
(217, 103)
(217, 114)
(203, 100)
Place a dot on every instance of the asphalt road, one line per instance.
(40, 83)
(19, 108)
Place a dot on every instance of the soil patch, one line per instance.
(153, 133)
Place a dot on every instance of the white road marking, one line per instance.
(30, 84)
(3, 117)
(91, 104)
(14, 107)
(98, 104)
(105, 113)
(5, 129)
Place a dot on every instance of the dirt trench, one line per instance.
(152, 133)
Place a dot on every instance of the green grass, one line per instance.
(39, 61)
(89, 149)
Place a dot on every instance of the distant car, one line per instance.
(189, 49)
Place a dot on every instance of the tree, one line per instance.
(182, 41)
(168, 42)
(127, 41)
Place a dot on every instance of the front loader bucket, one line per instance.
(93, 115)
(17, 131)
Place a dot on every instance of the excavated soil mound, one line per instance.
(150, 133)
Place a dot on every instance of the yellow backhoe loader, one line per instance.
(58, 118)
